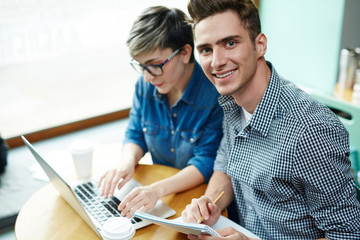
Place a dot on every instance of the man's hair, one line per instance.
(160, 27)
(246, 10)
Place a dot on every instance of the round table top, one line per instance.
(46, 215)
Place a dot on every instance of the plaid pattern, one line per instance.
(289, 166)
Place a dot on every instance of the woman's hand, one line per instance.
(113, 177)
(144, 198)
(131, 154)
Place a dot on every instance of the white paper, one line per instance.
(179, 225)
(224, 222)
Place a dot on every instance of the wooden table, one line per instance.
(46, 215)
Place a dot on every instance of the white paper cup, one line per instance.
(117, 228)
(82, 155)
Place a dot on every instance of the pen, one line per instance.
(217, 199)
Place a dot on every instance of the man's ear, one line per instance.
(261, 44)
(186, 52)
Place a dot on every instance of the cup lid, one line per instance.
(81, 146)
(119, 228)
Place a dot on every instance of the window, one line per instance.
(65, 60)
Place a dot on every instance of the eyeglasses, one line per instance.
(153, 69)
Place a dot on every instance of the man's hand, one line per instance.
(228, 233)
(204, 207)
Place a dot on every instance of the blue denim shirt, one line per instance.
(187, 134)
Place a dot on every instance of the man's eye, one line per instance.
(205, 51)
(230, 43)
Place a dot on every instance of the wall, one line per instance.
(304, 39)
(351, 26)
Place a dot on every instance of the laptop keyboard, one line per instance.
(99, 207)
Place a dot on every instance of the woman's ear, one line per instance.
(186, 52)
(261, 44)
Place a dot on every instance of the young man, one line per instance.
(284, 155)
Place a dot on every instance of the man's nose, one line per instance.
(218, 59)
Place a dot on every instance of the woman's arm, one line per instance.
(187, 178)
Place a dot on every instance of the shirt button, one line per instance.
(174, 115)
(159, 95)
(172, 132)
(144, 129)
(172, 149)
(191, 139)
(249, 207)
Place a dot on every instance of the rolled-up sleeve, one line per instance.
(322, 172)
(205, 150)
(134, 133)
(221, 159)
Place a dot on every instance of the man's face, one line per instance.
(226, 53)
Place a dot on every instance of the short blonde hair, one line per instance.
(160, 27)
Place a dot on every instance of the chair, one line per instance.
(357, 192)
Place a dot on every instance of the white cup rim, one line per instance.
(120, 220)
(81, 146)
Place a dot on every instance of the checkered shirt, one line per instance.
(289, 166)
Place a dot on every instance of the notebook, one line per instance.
(85, 199)
(177, 224)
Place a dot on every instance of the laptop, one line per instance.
(84, 197)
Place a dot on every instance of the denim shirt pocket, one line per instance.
(188, 140)
(150, 134)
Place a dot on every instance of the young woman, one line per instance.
(175, 113)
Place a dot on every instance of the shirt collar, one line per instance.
(264, 112)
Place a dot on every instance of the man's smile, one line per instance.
(224, 74)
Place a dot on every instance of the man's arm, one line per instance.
(219, 182)
(204, 206)
(323, 151)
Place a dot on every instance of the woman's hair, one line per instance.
(246, 10)
(160, 27)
